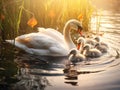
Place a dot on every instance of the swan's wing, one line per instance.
(42, 44)
(52, 33)
(49, 31)
(37, 41)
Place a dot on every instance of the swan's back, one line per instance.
(52, 33)
(40, 44)
(38, 41)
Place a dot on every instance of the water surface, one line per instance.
(46, 73)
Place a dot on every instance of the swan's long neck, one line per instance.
(67, 37)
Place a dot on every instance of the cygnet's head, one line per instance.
(86, 47)
(73, 52)
(97, 45)
(97, 39)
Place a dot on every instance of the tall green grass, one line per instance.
(48, 13)
(9, 25)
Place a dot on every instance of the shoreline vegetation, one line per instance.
(19, 17)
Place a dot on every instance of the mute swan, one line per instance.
(48, 41)
(91, 52)
(75, 56)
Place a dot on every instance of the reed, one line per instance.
(10, 18)
(48, 13)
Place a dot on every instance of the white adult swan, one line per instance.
(48, 41)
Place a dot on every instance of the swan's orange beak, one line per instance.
(78, 46)
(80, 32)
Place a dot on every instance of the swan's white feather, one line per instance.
(48, 41)
(40, 44)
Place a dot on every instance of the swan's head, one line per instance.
(75, 24)
(85, 49)
(80, 42)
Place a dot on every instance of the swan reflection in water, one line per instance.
(72, 73)
(72, 83)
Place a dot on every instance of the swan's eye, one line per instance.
(79, 28)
